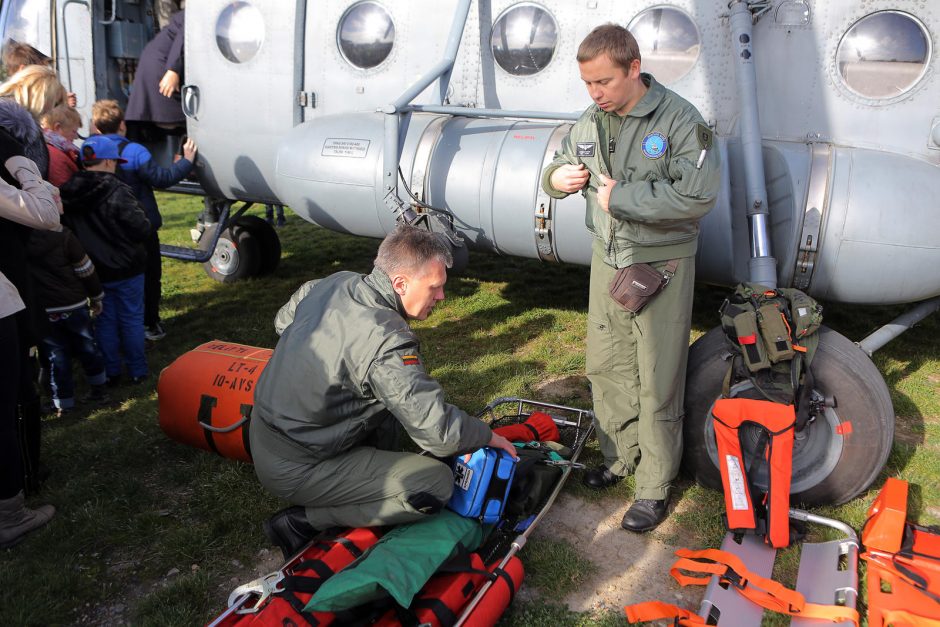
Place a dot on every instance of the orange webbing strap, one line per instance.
(657, 610)
(903, 618)
(764, 592)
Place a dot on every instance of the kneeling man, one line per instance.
(345, 374)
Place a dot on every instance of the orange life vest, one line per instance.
(772, 516)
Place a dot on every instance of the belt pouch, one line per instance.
(775, 333)
(635, 286)
(752, 347)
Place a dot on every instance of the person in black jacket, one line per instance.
(66, 283)
(112, 226)
(143, 174)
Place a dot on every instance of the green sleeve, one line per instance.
(285, 314)
(563, 156)
(688, 194)
(398, 379)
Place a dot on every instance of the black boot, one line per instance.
(644, 514)
(289, 530)
(600, 478)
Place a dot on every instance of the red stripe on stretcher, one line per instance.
(748, 339)
(843, 428)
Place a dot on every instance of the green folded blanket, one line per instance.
(399, 564)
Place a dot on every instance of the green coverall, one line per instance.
(636, 362)
(345, 373)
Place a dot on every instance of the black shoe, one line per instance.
(289, 530)
(138, 380)
(600, 478)
(114, 381)
(644, 514)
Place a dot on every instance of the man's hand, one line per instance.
(498, 441)
(96, 307)
(71, 99)
(603, 192)
(189, 150)
(169, 83)
(570, 178)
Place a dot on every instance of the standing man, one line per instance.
(346, 373)
(644, 161)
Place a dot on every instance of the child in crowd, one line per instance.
(60, 127)
(65, 282)
(142, 173)
(111, 224)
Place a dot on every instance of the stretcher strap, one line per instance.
(657, 610)
(766, 593)
(903, 618)
(902, 567)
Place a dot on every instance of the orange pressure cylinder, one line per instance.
(206, 397)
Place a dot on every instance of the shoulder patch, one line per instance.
(410, 360)
(654, 145)
(586, 149)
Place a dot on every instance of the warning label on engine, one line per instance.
(345, 147)
(736, 483)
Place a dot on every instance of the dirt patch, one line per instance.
(563, 389)
(630, 567)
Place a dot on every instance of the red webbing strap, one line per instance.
(657, 610)
(778, 420)
(766, 593)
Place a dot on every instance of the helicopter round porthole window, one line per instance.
(239, 31)
(883, 55)
(365, 35)
(669, 42)
(524, 39)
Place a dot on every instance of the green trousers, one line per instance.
(636, 364)
(364, 486)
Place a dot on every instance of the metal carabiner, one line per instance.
(263, 587)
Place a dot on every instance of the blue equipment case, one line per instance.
(481, 484)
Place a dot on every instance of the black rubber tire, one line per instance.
(237, 256)
(268, 241)
(836, 456)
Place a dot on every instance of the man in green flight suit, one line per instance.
(345, 374)
(644, 161)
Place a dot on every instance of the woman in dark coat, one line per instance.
(155, 94)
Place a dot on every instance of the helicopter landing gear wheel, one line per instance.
(835, 457)
(237, 256)
(268, 242)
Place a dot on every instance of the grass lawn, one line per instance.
(151, 532)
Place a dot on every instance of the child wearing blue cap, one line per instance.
(111, 225)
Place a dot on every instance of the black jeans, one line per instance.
(153, 274)
(11, 462)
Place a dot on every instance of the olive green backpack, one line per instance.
(773, 337)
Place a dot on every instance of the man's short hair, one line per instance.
(36, 88)
(106, 116)
(62, 115)
(408, 249)
(17, 54)
(613, 40)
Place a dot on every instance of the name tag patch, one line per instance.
(654, 145)
(585, 149)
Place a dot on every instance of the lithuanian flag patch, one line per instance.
(410, 360)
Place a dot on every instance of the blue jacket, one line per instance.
(143, 174)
